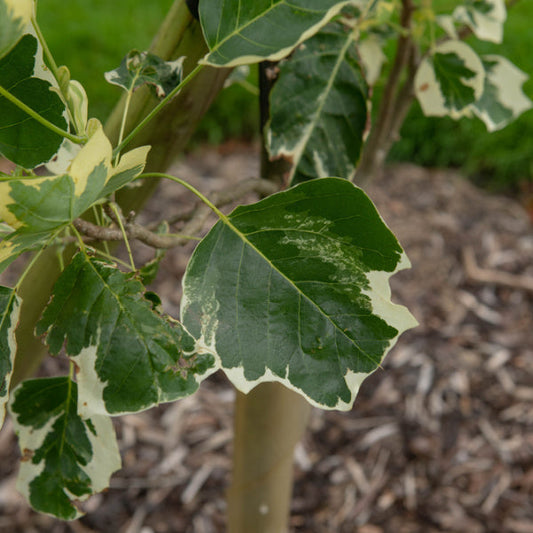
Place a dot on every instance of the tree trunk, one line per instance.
(269, 422)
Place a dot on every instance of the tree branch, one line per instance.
(193, 226)
(493, 277)
(375, 150)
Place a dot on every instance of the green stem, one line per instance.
(34, 260)
(112, 258)
(55, 71)
(123, 124)
(157, 108)
(196, 192)
(21, 105)
(118, 219)
(48, 55)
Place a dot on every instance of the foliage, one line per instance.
(500, 160)
(294, 288)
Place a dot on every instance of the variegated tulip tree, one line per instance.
(293, 289)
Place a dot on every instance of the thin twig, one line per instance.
(375, 152)
(195, 224)
(494, 277)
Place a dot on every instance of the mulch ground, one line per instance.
(440, 440)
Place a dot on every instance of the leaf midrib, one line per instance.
(226, 220)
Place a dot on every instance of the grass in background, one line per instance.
(91, 37)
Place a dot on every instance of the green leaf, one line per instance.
(43, 204)
(23, 140)
(9, 315)
(141, 68)
(318, 107)
(128, 356)
(14, 16)
(484, 17)
(295, 289)
(449, 81)
(240, 32)
(503, 99)
(66, 458)
(18, 242)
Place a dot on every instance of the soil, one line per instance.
(439, 440)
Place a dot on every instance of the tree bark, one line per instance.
(269, 422)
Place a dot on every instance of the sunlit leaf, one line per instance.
(14, 16)
(144, 68)
(295, 289)
(23, 140)
(239, 32)
(450, 80)
(9, 314)
(18, 242)
(503, 99)
(318, 107)
(484, 17)
(128, 356)
(66, 457)
(41, 204)
(372, 57)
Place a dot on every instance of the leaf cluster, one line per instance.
(293, 289)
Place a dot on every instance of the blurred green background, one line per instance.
(91, 37)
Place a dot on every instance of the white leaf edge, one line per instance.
(379, 292)
(508, 80)
(486, 26)
(280, 54)
(296, 150)
(105, 461)
(12, 343)
(372, 58)
(20, 13)
(427, 89)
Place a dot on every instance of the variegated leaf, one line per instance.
(14, 17)
(240, 32)
(318, 107)
(144, 68)
(372, 57)
(484, 17)
(9, 315)
(43, 204)
(503, 99)
(23, 140)
(128, 356)
(295, 289)
(66, 457)
(18, 242)
(449, 80)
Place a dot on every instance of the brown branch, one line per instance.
(494, 277)
(194, 225)
(375, 150)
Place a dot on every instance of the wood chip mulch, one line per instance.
(440, 440)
